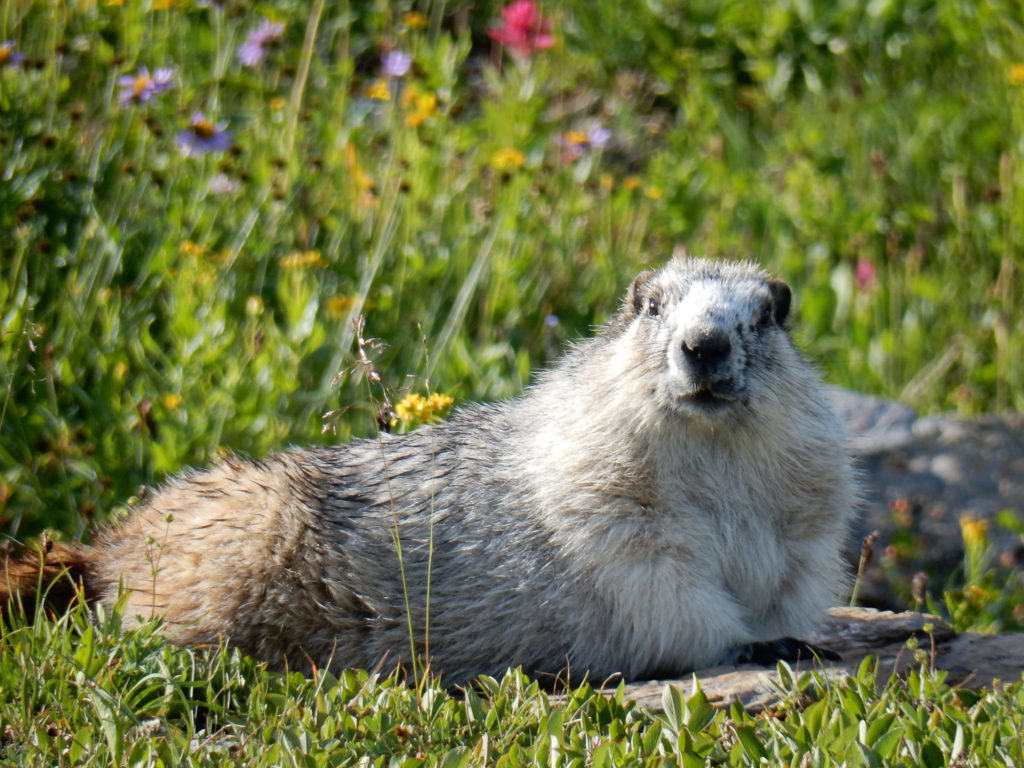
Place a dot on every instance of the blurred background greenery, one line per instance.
(175, 284)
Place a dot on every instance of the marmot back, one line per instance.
(674, 488)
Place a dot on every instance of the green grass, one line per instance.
(148, 322)
(81, 692)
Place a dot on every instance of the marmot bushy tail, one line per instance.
(672, 489)
(52, 572)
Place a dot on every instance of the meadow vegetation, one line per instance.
(198, 199)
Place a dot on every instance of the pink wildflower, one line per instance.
(866, 275)
(523, 28)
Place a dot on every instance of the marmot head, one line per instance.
(712, 334)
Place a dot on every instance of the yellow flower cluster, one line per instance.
(1015, 74)
(424, 409)
(193, 249)
(338, 306)
(420, 105)
(359, 176)
(507, 159)
(378, 90)
(415, 20)
(301, 259)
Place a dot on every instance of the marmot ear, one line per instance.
(635, 296)
(782, 297)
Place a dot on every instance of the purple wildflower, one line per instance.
(575, 143)
(598, 137)
(8, 56)
(202, 136)
(396, 63)
(254, 49)
(141, 87)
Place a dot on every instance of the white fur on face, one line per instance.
(700, 309)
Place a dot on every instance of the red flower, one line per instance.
(523, 28)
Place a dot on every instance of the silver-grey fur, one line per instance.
(674, 487)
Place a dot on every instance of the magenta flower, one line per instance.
(8, 56)
(141, 87)
(258, 43)
(202, 136)
(396, 63)
(866, 275)
(523, 29)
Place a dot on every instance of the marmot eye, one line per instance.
(653, 308)
(766, 315)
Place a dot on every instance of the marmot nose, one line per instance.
(707, 347)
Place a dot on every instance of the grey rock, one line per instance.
(874, 424)
(921, 476)
(971, 660)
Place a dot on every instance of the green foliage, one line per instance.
(82, 692)
(157, 308)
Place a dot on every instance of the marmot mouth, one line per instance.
(708, 397)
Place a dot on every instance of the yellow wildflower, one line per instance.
(507, 159)
(979, 594)
(193, 249)
(1015, 74)
(359, 176)
(631, 183)
(654, 193)
(575, 137)
(379, 90)
(409, 95)
(415, 407)
(426, 105)
(161, 5)
(415, 20)
(338, 306)
(301, 259)
(172, 401)
(277, 102)
(437, 401)
(975, 532)
(114, 3)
